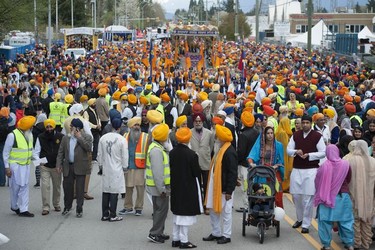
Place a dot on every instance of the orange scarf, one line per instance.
(216, 163)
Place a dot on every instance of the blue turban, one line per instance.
(313, 110)
(50, 92)
(229, 110)
(259, 116)
(77, 123)
(116, 123)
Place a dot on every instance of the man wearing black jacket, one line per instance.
(47, 146)
(246, 139)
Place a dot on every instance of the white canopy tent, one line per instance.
(365, 33)
(318, 32)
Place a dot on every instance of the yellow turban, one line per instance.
(223, 133)
(91, 101)
(203, 96)
(83, 98)
(26, 122)
(329, 112)
(154, 116)
(69, 98)
(161, 132)
(132, 99)
(183, 135)
(313, 87)
(165, 97)
(133, 121)
(162, 83)
(247, 119)
(371, 112)
(148, 86)
(49, 122)
(180, 120)
(57, 96)
(116, 95)
(102, 92)
(154, 99)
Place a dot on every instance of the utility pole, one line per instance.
(236, 20)
(310, 11)
(49, 28)
(72, 9)
(35, 24)
(257, 10)
(57, 19)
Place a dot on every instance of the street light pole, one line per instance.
(35, 24)
(257, 21)
(49, 28)
(236, 21)
(309, 25)
(72, 9)
(57, 18)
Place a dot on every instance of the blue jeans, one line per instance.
(2, 167)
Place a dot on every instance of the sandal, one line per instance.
(187, 245)
(117, 218)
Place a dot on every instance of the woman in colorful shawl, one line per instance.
(283, 134)
(362, 189)
(333, 199)
(267, 151)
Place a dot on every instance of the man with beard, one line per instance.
(246, 139)
(222, 181)
(17, 155)
(206, 105)
(90, 115)
(213, 97)
(202, 142)
(47, 146)
(134, 177)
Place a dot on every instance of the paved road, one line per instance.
(57, 232)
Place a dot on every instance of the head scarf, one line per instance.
(343, 144)
(181, 119)
(330, 177)
(26, 122)
(363, 179)
(50, 122)
(161, 132)
(154, 116)
(223, 133)
(247, 119)
(183, 135)
(346, 125)
(77, 123)
(133, 121)
(75, 109)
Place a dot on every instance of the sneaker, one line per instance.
(138, 212)
(66, 211)
(126, 211)
(104, 218)
(155, 238)
(37, 186)
(79, 214)
(164, 236)
(117, 218)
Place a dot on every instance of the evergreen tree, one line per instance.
(371, 5)
(358, 8)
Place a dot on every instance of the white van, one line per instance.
(78, 52)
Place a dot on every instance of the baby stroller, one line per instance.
(261, 195)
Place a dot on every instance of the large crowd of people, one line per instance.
(192, 134)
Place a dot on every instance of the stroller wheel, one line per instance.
(244, 222)
(261, 229)
(277, 224)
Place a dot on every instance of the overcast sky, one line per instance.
(170, 6)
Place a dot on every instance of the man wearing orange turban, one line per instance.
(45, 149)
(158, 181)
(17, 156)
(221, 184)
(350, 110)
(185, 172)
(246, 140)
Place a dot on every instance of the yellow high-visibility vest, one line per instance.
(24, 150)
(167, 171)
(56, 109)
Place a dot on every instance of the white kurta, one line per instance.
(113, 157)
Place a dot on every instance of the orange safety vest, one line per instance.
(140, 150)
